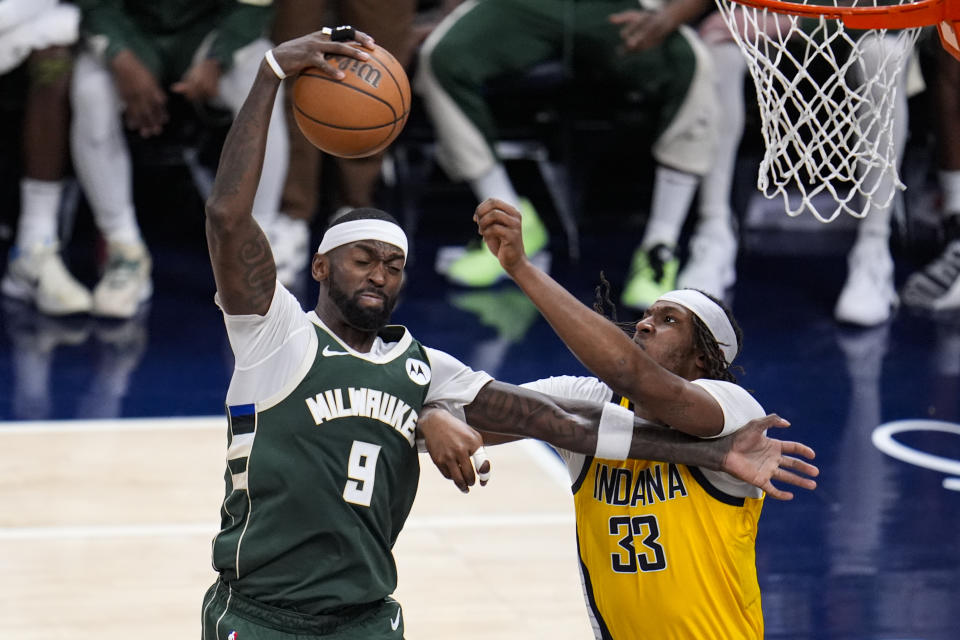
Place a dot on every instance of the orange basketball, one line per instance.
(358, 115)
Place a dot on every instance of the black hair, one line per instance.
(715, 366)
(362, 213)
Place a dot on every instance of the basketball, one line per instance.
(358, 115)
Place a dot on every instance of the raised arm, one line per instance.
(598, 343)
(243, 264)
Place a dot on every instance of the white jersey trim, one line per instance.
(380, 352)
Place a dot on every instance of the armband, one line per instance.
(614, 433)
(277, 69)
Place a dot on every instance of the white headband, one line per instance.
(366, 229)
(711, 314)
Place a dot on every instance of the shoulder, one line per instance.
(737, 404)
(730, 395)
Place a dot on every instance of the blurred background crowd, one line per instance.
(627, 132)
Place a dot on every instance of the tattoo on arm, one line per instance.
(240, 253)
(572, 425)
(236, 166)
(258, 269)
(503, 408)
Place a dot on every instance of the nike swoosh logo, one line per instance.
(396, 621)
(327, 352)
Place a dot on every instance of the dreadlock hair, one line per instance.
(715, 365)
(605, 306)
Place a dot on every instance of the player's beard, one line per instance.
(363, 318)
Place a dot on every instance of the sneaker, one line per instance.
(711, 266)
(38, 275)
(477, 267)
(507, 311)
(652, 274)
(289, 240)
(936, 286)
(125, 284)
(868, 297)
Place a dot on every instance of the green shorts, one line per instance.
(229, 616)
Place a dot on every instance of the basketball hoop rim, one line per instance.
(916, 14)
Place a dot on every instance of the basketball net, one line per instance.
(827, 75)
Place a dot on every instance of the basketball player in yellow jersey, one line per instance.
(666, 550)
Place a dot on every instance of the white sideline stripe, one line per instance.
(122, 424)
(541, 454)
(105, 531)
(206, 530)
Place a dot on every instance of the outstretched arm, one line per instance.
(598, 343)
(747, 454)
(242, 262)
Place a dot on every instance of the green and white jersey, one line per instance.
(322, 467)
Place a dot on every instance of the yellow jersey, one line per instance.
(666, 551)
(665, 554)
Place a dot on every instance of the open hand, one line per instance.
(757, 459)
(144, 100)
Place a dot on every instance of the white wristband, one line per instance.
(277, 69)
(614, 433)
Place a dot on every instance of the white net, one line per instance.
(826, 95)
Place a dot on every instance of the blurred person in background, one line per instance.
(390, 23)
(648, 52)
(135, 55)
(39, 34)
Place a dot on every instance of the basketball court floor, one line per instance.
(112, 449)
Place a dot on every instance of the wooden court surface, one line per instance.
(105, 533)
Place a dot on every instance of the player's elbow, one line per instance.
(220, 216)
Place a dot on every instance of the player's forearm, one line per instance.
(599, 344)
(240, 254)
(241, 159)
(504, 409)
(669, 445)
(576, 426)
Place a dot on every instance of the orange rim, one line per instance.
(916, 14)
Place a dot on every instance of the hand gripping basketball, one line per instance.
(358, 113)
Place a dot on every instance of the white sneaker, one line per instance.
(38, 275)
(125, 283)
(868, 297)
(289, 239)
(711, 265)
